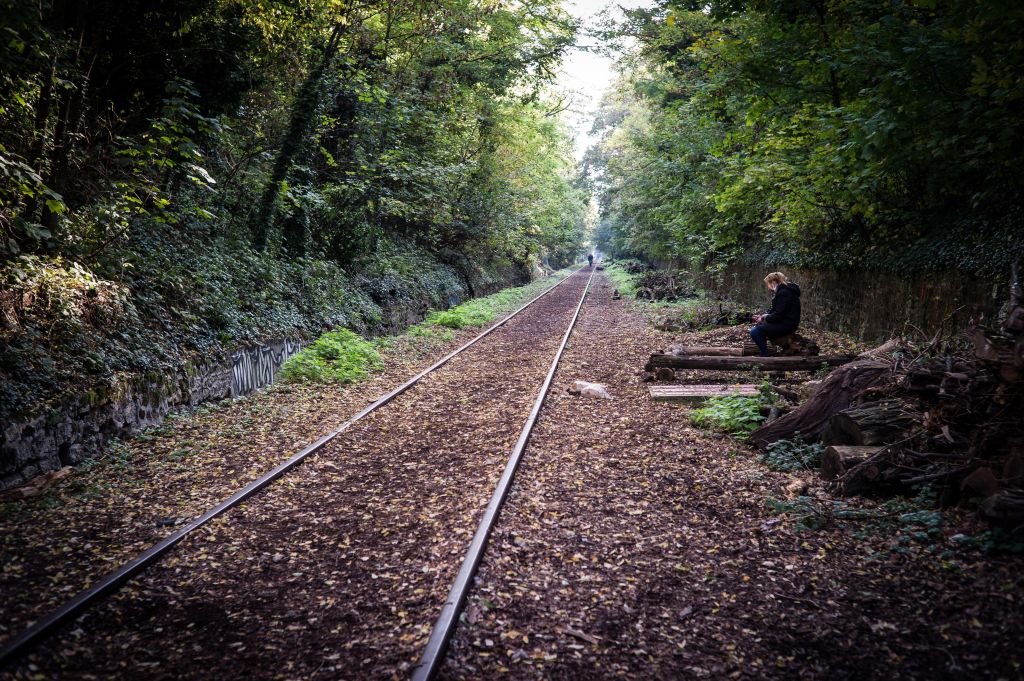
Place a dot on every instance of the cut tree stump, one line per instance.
(697, 394)
(838, 459)
(795, 345)
(871, 424)
(741, 363)
(837, 392)
(665, 374)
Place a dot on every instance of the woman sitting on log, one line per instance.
(784, 315)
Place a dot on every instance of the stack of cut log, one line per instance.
(936, 416)
(664, 285)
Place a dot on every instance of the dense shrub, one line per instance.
(339, 356)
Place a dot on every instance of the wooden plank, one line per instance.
(748, 349)
(747, 363)
(696, 394)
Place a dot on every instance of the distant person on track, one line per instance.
(784, 316)
(590, 260)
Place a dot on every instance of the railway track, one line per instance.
(20, 645)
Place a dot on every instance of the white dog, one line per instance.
(589, 389)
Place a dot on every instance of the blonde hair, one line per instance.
(776, 278)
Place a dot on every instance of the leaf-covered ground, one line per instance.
(339, 568)
(634, 546)
(115, 507)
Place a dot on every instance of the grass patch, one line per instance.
(339, 356)
(480, 311)
(342, 356)
(622, 279)
(473, 313)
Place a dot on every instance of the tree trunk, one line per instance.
(1005, 509)
(837, 459)
(295, 141)
(836, 393)
(741, 363)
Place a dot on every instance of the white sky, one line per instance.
(585, 76)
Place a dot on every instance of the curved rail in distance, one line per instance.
(111, 582)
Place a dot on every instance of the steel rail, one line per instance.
(111, 582)
(444, 628)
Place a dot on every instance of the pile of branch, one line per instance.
(838, 391)
(664, 285)
(943, 415)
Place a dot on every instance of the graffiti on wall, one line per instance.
(253, 368)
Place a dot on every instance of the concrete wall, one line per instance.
(869, 306)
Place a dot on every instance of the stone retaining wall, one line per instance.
(79, 428)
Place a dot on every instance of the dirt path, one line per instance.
(343, 564)
(634, 546)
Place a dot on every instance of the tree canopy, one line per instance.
(843, 133)
(305, 128)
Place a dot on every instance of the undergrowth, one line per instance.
(695, 311)
(904, 525)
(792, 455)
(619, 273)
(480, 311)
(733, 414)
(342, 356)
(339, 356)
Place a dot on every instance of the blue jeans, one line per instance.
(758, 334)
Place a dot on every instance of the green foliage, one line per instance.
(339, 356)
(474, 313)
(792, 455)
(480, 311)
(405, 151)
(733, 414)
(622, 278)
(430, 333)
(843, 134)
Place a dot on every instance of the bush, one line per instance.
(340, 356)
(668, 285)
(473, 313)
(732, 414)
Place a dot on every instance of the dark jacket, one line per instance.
(784, 316)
